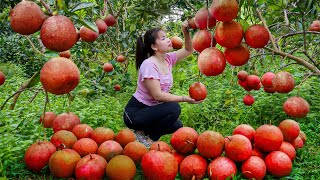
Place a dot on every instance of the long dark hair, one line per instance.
(143, 49)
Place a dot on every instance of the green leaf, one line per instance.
(132, 27)
(244, 25)
(87, 24)
(80, 6)
(34, 80)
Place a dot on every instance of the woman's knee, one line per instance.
(175, 108)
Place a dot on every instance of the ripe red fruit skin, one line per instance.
(278, 164)
(296, 107)
(159, 165)
(48, 119)
(201, 40)
(237, 56)
(242, 75)
(221, 168)
(248, 100)
(160, 146)
(38, 154)
(117, 87)
(179, 157)
(303, 136)
(268, 138)
(85, 146)
(266, 79)
(242, 83)
(102, 26)
(63, 163)
(254, 168)
(288, 148)
(192, 24)
(107, 67)
(210, 144)
(256, 152)
(59, 75)
(229, 34)
(121, 58)
(283, 82)
(315, 26)
(245, 130)
(102, 134)
(88, 35)
(198, 91)
(65, 121)
(82, 131)
(211, 62)
(256, 36)
(2, 78)
(290, 129)
(269, 90)
(110, 20)
(65, 54)
(184, 140)
(91, 166)
(63, 139)
(224, 10)
(238, 148)
(125, 136)
(297, 143)
(26, 18)
(193, 165)
(253, 81)
(109, 149)
(135, 150)
(58, 33)
(201, 19)
(177, 42)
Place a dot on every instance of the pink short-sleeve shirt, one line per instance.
(149, 70)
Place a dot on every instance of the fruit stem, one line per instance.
(299, 86)
(265, 25)
(44, 112)
(47, 7)
(193, 177)
(208, 18)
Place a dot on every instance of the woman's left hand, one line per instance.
(185, 26)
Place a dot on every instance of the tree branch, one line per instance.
(265, 25)
(104, 9)
(47, 7)
(262, 54)
(190, 5)
(309, 57)
(297, 59)
(120, 10)
(111, 10)
(304, 32)
(297, 33)
(33, 47)
(286, 17)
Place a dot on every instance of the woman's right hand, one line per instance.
(190, 100)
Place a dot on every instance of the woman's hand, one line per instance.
(190, 100)
(185, 27)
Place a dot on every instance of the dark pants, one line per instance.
(155, 121)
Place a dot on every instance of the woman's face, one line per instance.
(163, 43)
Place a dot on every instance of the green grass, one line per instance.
(222, 111)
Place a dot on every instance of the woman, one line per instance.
(153, 111)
